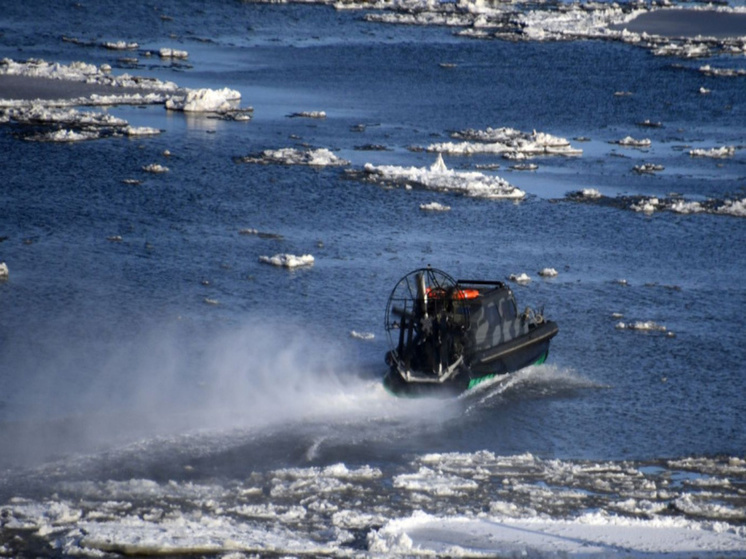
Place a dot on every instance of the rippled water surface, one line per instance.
(142, 339)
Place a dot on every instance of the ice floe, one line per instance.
(631, 22)
(82, 72)
(646, 205)
(172, 53)
(435, 483)
(125, 89)
(524, 167)
(520, 279)
(591, 534)
(645, 326)
(476, 504)
(714, 153)
(441, 178)
(288, 260)
(732, 207)
(204, 100)
(648, 168)
(708, 70)
(64, 136)
(119, 45)
(631, 142)
(308, 114)
(548, 273)
(364, 336)
(141, 131)
(588, 193)
(321, 157)
(4, 274)
(155, 168)
(508, 142)
(651, 204)
(434, 207)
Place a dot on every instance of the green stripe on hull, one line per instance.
(476, 381)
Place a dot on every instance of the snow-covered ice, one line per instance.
(364, 336)
(643, 326)
(441, 178)
(508, 142)
(455, 504)
(321, 157)
(648, 168)
(593, 534)
(434, 207)
(204, 100)
(308, 114)
(715, 153)
(631, 142)
(155, 168)
(167, 52)
(288, 260)
(521, 279)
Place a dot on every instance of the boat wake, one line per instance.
(538, 381)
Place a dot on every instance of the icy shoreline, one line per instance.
(664, 28)
(454, 504)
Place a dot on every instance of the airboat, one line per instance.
(447, 336)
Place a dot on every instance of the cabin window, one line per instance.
(507, 309)
(491, 314)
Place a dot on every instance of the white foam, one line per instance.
(439, 177)
(288, 260)
(4, 274)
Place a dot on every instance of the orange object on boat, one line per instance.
(466, 294)
(437, 293)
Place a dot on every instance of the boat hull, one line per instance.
(519, 353)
